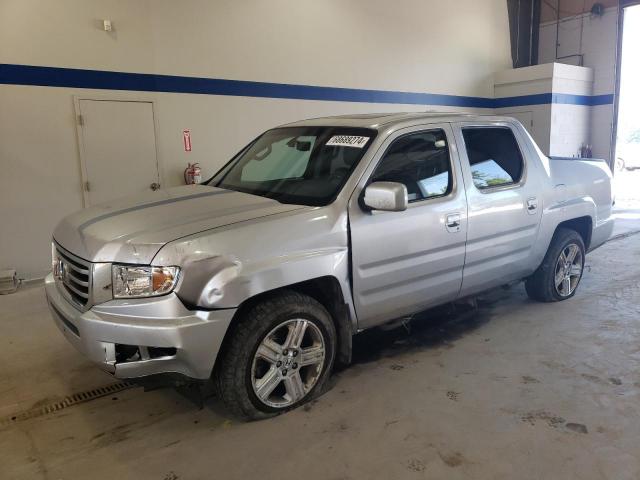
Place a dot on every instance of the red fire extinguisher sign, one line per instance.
(186, 139)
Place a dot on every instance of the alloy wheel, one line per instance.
(568, 270)
(288, 363)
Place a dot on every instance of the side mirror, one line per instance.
(386, 196)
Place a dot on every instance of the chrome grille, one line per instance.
(73, 274)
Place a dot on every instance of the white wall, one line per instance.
(571, 124)
(533, 80)
(599, 44)
(409, 45)
(559, 129)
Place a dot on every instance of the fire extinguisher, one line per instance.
(192, 174)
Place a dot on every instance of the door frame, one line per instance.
(531, 170)
(465, 164)
(393, 136)
(506, 112)
(613, 147)
(82, 155)
(458, 188)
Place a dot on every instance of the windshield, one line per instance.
(301, 165)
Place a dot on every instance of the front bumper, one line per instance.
(162, 322)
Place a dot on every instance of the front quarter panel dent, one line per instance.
(204, 279)
(226, 282)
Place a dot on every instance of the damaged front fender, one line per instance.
(204, 279)
(226, 282)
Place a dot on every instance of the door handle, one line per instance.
(154, 186)
(532, 205)
(453, 222)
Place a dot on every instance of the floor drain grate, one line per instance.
(66, 402)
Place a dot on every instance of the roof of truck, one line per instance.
(380, 120)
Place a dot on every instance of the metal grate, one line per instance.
(69, 401)
(74, 274)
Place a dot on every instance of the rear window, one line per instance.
(494, 156)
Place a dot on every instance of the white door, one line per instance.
(119, 149)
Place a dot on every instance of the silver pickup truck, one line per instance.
(259, 277)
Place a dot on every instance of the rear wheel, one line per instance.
(279, 356)
(558, 276)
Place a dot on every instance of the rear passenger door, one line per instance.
(403, 262)
(504, 206)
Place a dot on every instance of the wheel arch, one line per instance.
(582, 225)
(327, 291)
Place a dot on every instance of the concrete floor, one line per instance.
(514, 389)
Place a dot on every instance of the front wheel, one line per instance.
(278, 357)
(558, 276)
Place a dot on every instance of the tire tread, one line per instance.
(539, 286)
(229, 377)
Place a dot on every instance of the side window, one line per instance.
(494, 156)
(421, 162)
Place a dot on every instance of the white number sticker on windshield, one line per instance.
(347, 141)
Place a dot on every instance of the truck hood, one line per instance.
(133, 229)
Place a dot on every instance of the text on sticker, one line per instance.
(347, 141)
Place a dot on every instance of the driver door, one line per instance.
(404, 262)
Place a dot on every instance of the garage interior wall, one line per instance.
(433, 47)
(591, 41)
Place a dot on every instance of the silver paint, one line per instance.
(158, 322)
(232, 246)
(386, 196)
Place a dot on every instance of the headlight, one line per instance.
(130, 281)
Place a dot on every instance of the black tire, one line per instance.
(541, 286)
(233, 375)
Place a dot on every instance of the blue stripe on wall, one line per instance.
(144, 82)
(606, 99)
(537, 99)
(557, 98)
